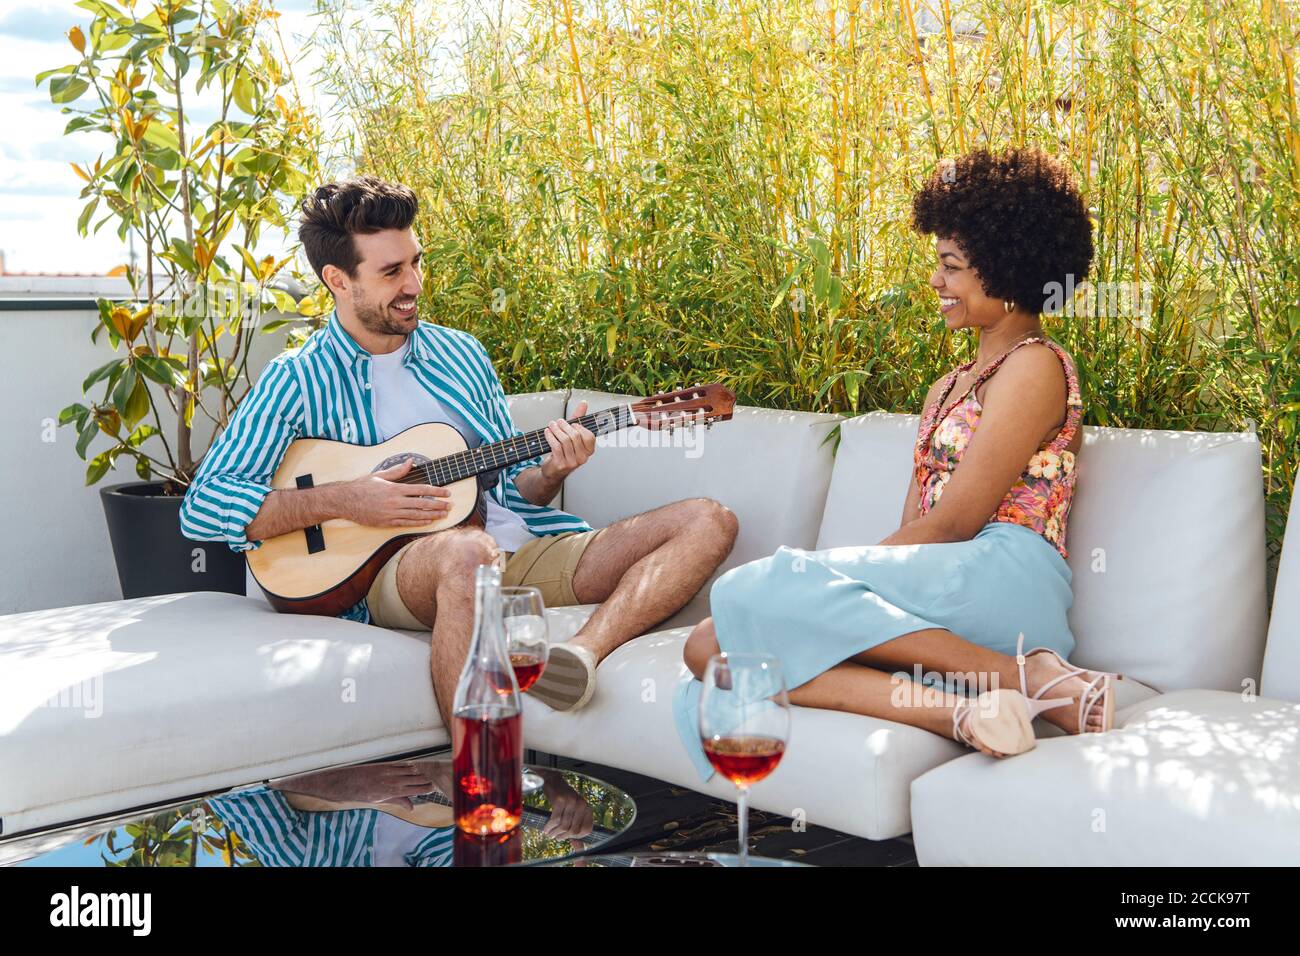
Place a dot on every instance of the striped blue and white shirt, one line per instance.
(280, 835)
(323, 390)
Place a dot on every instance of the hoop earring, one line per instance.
(1008, 306)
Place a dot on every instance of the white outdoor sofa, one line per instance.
(195, 693)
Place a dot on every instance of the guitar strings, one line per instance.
(461, 465)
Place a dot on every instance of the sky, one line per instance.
(39, 192)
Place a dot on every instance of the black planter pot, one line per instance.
(152, 555)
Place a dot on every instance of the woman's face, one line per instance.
(961, 295)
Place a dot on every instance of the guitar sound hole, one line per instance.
(391, 460)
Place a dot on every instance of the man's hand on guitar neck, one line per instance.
(571, 447)
(378, 500)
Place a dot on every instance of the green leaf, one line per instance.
(101, 373)
(65, 89)
(123, 392)
(86, 213)
(57, 71)
(784, 288)
(248, 259)
(97, 468)
(835, 293)
(104, 8)
(142, 468)
(89, 431)
(113, 40)
(156, 369)
(819, 251)
(74, 412)
(183, 255)
(822, 280)
(244, 92)
(137, 404)
(162, 135)
(284, 302)
(141, 435)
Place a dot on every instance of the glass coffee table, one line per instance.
(379, 814)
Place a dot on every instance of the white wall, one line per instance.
(56, 550)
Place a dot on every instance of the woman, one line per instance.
(978, 562)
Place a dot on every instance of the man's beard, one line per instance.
(376, 318)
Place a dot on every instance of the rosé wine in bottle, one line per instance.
(487, 723)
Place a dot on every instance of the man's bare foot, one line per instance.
(1043, 668)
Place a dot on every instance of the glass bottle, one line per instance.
(487, 723)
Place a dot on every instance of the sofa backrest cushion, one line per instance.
(770, 467)
(1166, 542)
(1282, 654)
(873, 465)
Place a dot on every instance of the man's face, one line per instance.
(387, 281)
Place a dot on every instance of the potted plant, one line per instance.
(195, 196)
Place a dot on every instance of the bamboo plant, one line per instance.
(636, 195)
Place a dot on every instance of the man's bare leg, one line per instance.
(435, 580)
(646, 568)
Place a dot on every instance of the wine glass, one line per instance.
(744, 723)
(524, 614)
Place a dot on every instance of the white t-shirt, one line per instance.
(399, 402)
(395, 839)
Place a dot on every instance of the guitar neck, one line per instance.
(503, 454)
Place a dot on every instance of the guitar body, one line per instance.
(329, 568)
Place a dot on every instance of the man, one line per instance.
(376, 370)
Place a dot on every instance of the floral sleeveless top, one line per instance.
(1040, 498)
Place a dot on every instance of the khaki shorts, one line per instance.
(546, 563)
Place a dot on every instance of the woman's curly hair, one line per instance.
(1017, 215)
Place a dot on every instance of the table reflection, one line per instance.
(399, 814)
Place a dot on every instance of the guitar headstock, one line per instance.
(699, 404)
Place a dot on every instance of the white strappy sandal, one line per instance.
(1001, 720)
(1100, 689)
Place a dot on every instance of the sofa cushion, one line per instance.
(1190, 778)
(531, 410)
(155, 699)
(771, 468)
(1166, 541)
(842, 771)
(1281, 678)
(869, 480)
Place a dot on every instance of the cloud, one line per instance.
(35, 22)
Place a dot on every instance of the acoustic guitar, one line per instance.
(329, 567)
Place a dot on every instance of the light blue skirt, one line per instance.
(815, 609)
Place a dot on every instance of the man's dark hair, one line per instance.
(1017, 215)
(335, 212)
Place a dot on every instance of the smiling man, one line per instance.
(376, 370)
